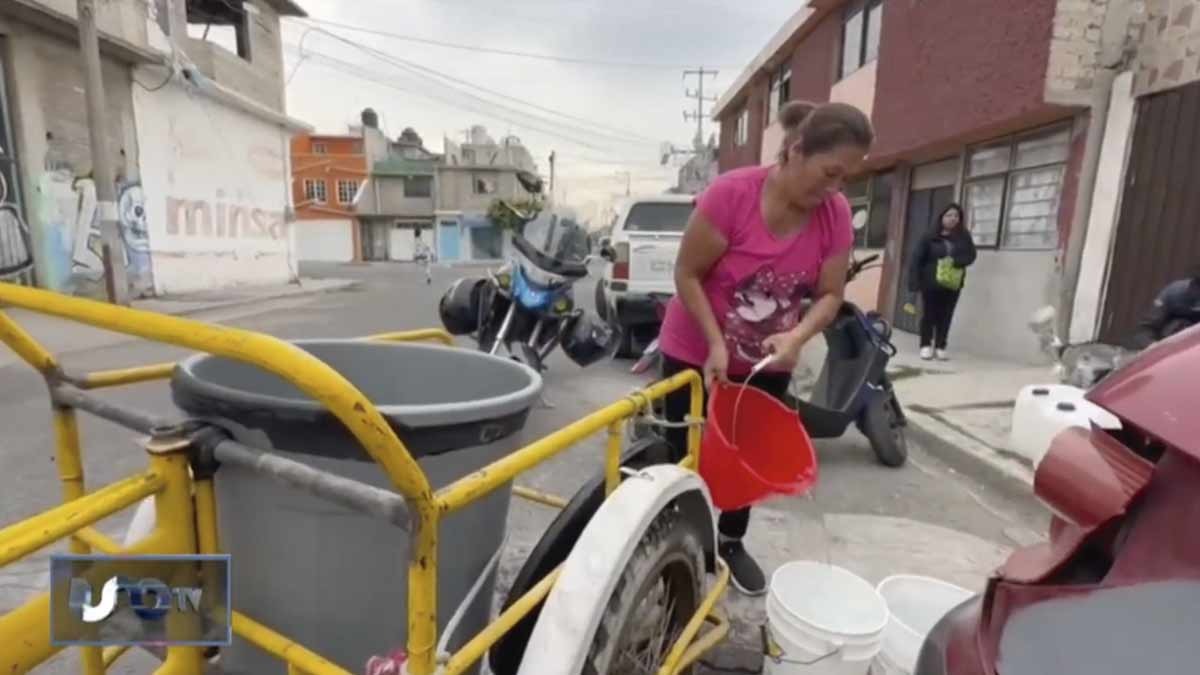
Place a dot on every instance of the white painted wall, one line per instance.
(858, 89)
(216, 185)
(1102, 224)
(402, 244)
(1003, 289)
(324, 240)
(772, 139)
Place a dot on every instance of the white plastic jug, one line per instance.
(824, 619)
(915, 604)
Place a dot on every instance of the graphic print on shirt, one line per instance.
(763, 304)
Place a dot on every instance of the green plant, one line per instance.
(506, 219)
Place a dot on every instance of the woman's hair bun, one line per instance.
(793, 114)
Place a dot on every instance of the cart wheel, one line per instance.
(555, 545)
(653, 601)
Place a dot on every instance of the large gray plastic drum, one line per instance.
(328, 577)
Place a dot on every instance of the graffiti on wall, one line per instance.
(16, 255)
(219, 220)
(71, 242)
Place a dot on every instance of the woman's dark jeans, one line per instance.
(731, 524)
(936, 316)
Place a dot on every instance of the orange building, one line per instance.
(328, 173)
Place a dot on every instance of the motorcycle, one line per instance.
(527, 306)
(853, 385)
(1117, 563)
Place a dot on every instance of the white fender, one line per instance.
(573, 610)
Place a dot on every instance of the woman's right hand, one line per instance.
(716, 365)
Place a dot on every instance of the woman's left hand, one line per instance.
(786, 348)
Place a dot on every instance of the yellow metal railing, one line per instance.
(186, 506)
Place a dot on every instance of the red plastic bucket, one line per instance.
(773, 454)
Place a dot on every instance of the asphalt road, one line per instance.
(924, 518)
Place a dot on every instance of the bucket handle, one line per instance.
(773, 651)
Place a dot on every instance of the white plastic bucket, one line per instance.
(916, 604)
(824, 619)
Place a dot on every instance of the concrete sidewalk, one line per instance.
(64, 337)
(959, 409)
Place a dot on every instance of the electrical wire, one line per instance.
(597, 128)
(356, 71)
(505, 52)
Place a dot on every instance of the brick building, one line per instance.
(982, 103)
(328, 172)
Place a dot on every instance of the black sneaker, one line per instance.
(745, 574)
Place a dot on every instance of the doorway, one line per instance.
(923, 206)
(16, 248)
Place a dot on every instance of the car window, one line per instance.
(651, 217)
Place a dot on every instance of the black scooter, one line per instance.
(853, 385)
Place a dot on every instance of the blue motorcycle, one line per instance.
(527, 307)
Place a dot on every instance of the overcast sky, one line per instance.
(635, 108)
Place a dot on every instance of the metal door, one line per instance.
(448, 240)
(1158, 232)
(923, 207)
(16, 248)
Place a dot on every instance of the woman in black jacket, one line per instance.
(938, 269)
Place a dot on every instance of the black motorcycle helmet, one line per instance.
(587, 340)
(459, 307)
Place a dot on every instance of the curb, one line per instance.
(286, 292)
(966, 454)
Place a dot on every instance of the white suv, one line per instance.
(640, 269)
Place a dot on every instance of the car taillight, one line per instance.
(621, 262)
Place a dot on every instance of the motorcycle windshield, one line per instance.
(554, 244)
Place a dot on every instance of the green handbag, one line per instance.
(949, 275)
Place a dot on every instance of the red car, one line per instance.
(1116, 589)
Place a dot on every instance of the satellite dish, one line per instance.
(859, 220)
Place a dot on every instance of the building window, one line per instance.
(862, 25)
(221, 22)
(347, 190)
(742, 133)
(484, 185)
(781, 92)
(468, 155)
(319, 148)
(314, 190)
(1014, 188)
(418, 186)
(870, 208)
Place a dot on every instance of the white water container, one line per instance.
(915, 604)
(1044, 410)
(825, 619)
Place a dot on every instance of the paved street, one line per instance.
(923, 519)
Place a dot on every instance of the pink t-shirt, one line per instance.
(757, 287)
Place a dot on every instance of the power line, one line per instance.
(431, 74)
(357, 71)
(502, 52)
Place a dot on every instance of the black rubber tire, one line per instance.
(671, 545)
(555, 545)
(883, 426)
(627, 348)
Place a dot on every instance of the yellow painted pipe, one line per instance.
(704, 643)
(612, 457)
(98, 542)
(33, 534)
(481, 643)
(116, 378)
(537, 496)
(25, 345)
(422, 335)
(111, 654)
(206, 517)
(482, 482)
(277, 645)
(674, 661)
(182, 661)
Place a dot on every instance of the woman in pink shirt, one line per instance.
(761, 242)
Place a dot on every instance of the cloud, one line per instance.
(641, 106)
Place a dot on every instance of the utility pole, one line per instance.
(552, 157)
(628, 181)
(102, 170)
(701, 99)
